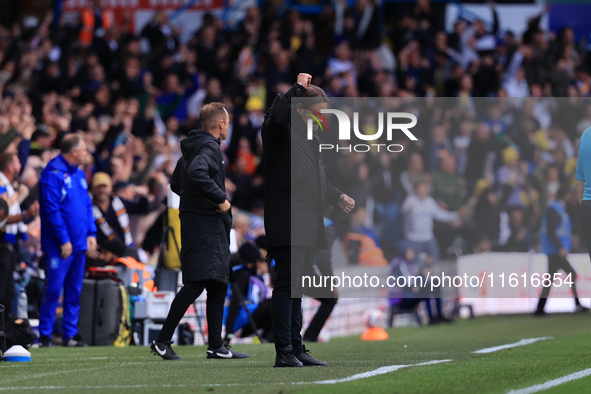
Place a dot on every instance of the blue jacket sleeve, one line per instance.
(91, 224)
(24, 150)
(50, 197)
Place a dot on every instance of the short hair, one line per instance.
(211, 114)
(6, 159)
(69, 142)
(315, 95)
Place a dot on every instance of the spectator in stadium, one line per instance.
(111, 212)
(15, 227)
(414, 174)
(419, 211)
(448, 188)
(520, 238)
(68, 232)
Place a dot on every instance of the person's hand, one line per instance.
(23, 191)
(346, 203)
(12, 199)
(563, 253)
(304, 79)
(142, 191)
(66, 250)
(91, 244)
(224, 207)
(33, 210)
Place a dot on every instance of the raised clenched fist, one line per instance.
(304, 79)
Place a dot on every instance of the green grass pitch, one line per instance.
(134, 370)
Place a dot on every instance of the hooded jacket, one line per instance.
(199, 180)
(65, 207)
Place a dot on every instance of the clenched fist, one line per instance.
(346, 203)
(304, 79)
(224, 207)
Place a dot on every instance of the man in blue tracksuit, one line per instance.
(67, 232)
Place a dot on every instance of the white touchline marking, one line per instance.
(523, 342)
(375, 372)
(369, 374)
(552, 383)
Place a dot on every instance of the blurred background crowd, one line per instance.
(483, 170)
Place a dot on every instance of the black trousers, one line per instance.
(216, 294)
(287, 311)
(6, 277)
(556, 263)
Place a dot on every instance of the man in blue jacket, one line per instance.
(67, 232)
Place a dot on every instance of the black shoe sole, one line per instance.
(287, 366)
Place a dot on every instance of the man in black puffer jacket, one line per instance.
(206, 220)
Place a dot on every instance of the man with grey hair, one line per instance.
(68, 231)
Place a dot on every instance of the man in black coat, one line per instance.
(297, 191)
(206, 220)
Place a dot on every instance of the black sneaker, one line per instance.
(309, 361)
(225, 352)
(164, 350)
(45, 341)
(286, 358)
(539, 312)
(74, 342)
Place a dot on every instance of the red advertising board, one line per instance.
(118, 9)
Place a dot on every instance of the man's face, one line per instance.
(103, 192)
(422, 190)
(15, 167)
(225, 126)
(79, 153)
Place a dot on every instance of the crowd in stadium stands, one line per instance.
(477, 179)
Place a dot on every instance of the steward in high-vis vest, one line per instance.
(113, 254)
(94, 22)
(555, 238)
